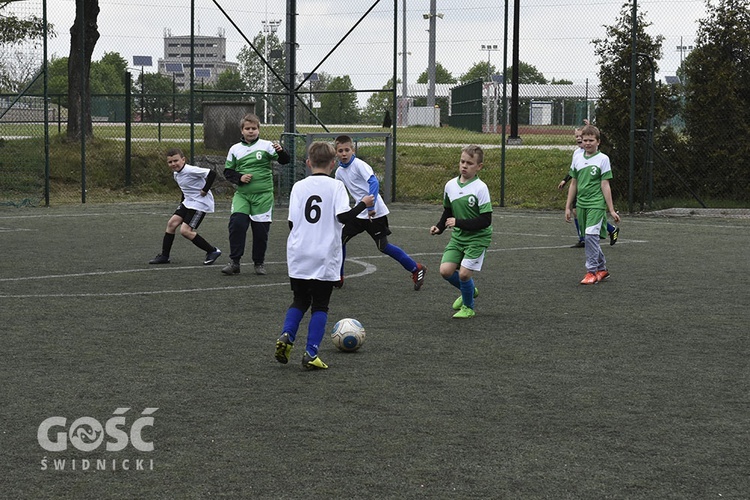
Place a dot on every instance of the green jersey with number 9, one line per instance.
(467, 201)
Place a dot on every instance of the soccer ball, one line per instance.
(348, 335)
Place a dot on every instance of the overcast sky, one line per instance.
(555, 35)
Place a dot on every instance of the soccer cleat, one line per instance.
(283, 348)
(589, 279)
(465, 313)
(211, 257)
(602, 275)
(418, 276)
(580, 244)
(231, 268)
(313, 363)
(459, 302)
(614, 235)
(260, 269)
(339, 283)
(159, 259)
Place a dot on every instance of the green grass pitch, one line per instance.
(632, 388)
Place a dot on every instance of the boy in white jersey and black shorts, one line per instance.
(360, 180)
(197, 200)
(467, 208)
(318, 209)
(589, 187)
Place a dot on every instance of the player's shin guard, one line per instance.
(202, 244)
(467, 292)
(315, 331)
(166, 244)
(396, 253)
(292, 321)
(453, 280)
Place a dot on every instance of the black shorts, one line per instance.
(313, 293)
(191, 217)
(377, 228)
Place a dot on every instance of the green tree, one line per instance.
(230, 80)
(15, 30)
(613, 112)
(108, 74)
(480, 71)
(526, 74)
(717, 99)
(378, 103)
(255, 74)
(339, 108)
(155, 98)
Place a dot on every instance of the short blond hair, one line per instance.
(475, 152)
(320, 154)
(591, 130)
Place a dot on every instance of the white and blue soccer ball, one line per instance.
(348, 334)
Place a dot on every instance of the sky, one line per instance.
(555, 35)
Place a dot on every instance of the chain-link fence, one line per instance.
(430, 73)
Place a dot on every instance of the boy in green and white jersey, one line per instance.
(467, 209)
(590, 173)
(248, 166)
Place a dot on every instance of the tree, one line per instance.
(613, 112)
(527, 74)
(157, 96)
(84, 30)
(339, 108)
(254, 72)
(230, 80)
(479, 71)
(15, 30)
(717, 99)
(442, 75)
(378, 103)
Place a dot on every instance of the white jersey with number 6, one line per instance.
(313, 249)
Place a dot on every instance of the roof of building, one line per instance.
(525, 91)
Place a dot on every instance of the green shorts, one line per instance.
(592, 221)
(259, 206)
(469, 256)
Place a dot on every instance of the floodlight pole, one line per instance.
(268, 27)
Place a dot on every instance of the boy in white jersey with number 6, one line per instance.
(318, 210)
(467, 209)
(590, 173)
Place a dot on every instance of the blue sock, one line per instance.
(467, 292)
(610, 228)
(291, 322)
(343, 258)
(315, 331)
(578, 230)
(401, 256)
(453, 280)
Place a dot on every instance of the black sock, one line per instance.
(203, 244)
(166, 244)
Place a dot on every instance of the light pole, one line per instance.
(432, 16)
(489, 49)
(269, 27)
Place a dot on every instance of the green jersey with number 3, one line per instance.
(589, 171)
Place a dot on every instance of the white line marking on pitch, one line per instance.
(368, 269)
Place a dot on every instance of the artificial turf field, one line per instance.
(638, 387)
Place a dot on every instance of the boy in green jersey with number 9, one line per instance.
(467, 209)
